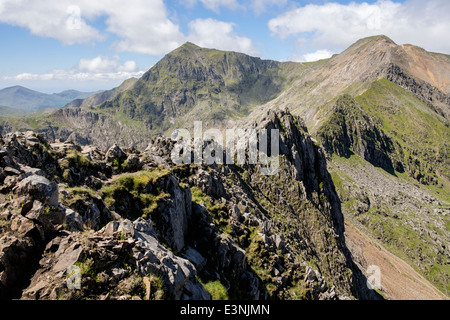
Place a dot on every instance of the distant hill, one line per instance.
(10, 112)
(102, 96)
(28, 100)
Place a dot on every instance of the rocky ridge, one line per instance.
(131, 225)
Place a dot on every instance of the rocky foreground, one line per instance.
(79, 223)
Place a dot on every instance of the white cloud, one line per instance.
(98, 64)
(141, 25)
(313, 56)
(128, 66)
(50, 19)
(336, 26)
(220, 35)
(97, 69)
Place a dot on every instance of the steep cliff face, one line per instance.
(300, 204)
(350, 129)
(90, 127)
(437, 100)
(385, 136)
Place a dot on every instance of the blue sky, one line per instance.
(54, 45)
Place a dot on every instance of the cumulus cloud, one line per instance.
(96, 69)
(313, 56)
(220, 35)
(101, 64)
(53, 19)
(336, 26)
(141, 25)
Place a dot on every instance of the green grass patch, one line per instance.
(75, 159)
(216, 290)
(217, 209)
(78, 193)
(138, 193)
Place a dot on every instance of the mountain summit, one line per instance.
(425, 74)
(193, 83)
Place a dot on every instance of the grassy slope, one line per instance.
(422, 133)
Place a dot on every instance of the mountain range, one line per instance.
(25, 100)
(364, 178)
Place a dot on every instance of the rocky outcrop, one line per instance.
(122, 261)
(305, 223)
(51, 229)
(29, 215)
(437, 100)
(319, 232)
(350, 129)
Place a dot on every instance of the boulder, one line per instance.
(39, 188)
(126, 227)
(115, 153)
(73, 220)
(133, 163)
(142, 225)
(111, 228)
(178, 274)
(29, 171)
(66, 257)
(44, 218)
(15, 254)
(196, 258)
(92, 153)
